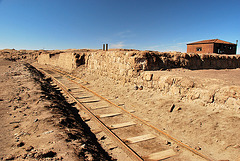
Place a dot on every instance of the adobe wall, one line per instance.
(63, 60)
(206, 92)
(141, 68)
(130, 63)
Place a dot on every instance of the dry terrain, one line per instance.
(210, 128)
(37, 123)
(201, 108)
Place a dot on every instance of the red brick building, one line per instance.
(212, 46)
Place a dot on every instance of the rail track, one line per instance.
(138, 138)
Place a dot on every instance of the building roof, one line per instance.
(211, 41)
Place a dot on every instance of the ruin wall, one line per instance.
(63, 60)
(131, 63)
(140, 68)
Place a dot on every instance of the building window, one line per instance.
(199, 49)
(230, 47)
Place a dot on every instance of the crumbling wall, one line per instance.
(117, 64)
(205, 91)
(140, 68)
(125, 61)
(124, 64)
(128, 64)
(64, 60)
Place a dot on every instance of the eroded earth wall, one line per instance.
(140, 68)
(63, 60)
(123, 62)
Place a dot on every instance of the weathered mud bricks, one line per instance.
(129, 63)
(140, 67)
(66, 60)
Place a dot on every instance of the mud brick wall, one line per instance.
(117, 64)
(131, 63)
(140, 68)
(191, 89)
(63, 60)
(128, 61)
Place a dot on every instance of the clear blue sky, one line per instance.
(163, 25)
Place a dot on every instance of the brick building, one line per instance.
(212, 46)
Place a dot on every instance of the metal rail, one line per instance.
(131, 153)
(143, 121)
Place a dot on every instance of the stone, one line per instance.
(20, 144)
(48, 132)
(168, 143)
(10, 157)
(172, 108)
(29, 148)
(198, 148)
(136, 87)
(148, 76)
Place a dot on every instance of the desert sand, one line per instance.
(38, 123)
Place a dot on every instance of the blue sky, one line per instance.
(163, 25)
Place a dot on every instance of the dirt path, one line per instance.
(37, 123)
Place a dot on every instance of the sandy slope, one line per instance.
(36, 121)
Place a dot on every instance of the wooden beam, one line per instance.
(96, 131)
(101, 107)
(92, 101)
(140, 138)
(160, 155)
(84, 97)
(125, 124)
(109, 115)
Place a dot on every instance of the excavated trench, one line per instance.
(78, 130)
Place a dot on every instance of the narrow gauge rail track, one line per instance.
(137, 137)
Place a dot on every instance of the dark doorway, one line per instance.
(80, 60)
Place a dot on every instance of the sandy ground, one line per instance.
(36, 121)
(210, 130)
(225, 76)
